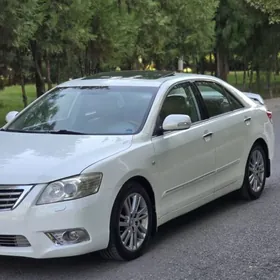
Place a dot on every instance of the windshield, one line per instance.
(88, 110)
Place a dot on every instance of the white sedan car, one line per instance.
(99, 163)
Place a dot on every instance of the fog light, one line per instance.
(69, 236)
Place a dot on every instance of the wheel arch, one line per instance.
(149, 189)
(261, 142)
(112, 251)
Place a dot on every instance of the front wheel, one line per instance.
(131, 223)
(255, 174)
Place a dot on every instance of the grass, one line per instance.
(11, 99)
(239, 74)
(236, 79)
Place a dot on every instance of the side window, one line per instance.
(180, 100)
(216, 100)
(235, 104)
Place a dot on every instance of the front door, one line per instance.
(185, 159)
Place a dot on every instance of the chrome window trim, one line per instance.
(201, 122)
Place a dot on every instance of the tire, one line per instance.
(131, 227)
(249, 191)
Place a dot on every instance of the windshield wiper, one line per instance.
(21, 130)
(65, 131)
(62, 131)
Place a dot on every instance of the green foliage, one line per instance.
(194, 25)
(57, 40)
(235, 23)
(18, 21)
(63, 24)
(272, 7)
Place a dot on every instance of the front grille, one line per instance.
(13, 241)
(9, 197)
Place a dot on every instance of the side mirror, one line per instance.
(10, 116)
(176, 122)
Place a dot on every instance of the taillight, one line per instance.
(269, 115)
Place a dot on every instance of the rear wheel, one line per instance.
(255, 174)
(131, 223)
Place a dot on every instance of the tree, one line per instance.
(18, 22)
(191, 33)
(271, 7)
(63, 25)
(235, 24)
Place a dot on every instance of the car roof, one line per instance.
(131, 78)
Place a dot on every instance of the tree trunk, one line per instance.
(236, 77)
(216, 67)
(49, 81)
(226, 67)
(158, 62)
(202, 65)
(268, 80)
(81, 66)
(119, 6)
(197, 65)
(10, 79)
(86, 60)
(222, 64)
(251, 79)
(128, 4)
(258, 78)
(277, 66)
(136, 65)
(235, 73)
(58, 71)
(37, 59)
(23, 92)
(275, 82)
(97, 68)
(244, 76)
(211, 65)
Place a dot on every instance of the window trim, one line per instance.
(203, 109)
(226, 93)
(234, 98)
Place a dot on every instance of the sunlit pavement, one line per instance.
(227, 239)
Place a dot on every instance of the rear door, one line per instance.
(231, 122)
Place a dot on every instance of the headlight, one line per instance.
(71, 188)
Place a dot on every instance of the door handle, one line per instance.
(208, 134)
(247, 119)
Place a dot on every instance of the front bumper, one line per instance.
(30, 221)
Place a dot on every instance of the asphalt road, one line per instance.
(227, 239)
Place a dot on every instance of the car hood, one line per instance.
(29, 158)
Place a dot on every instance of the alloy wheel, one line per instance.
(133, 222)
(256, 171)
